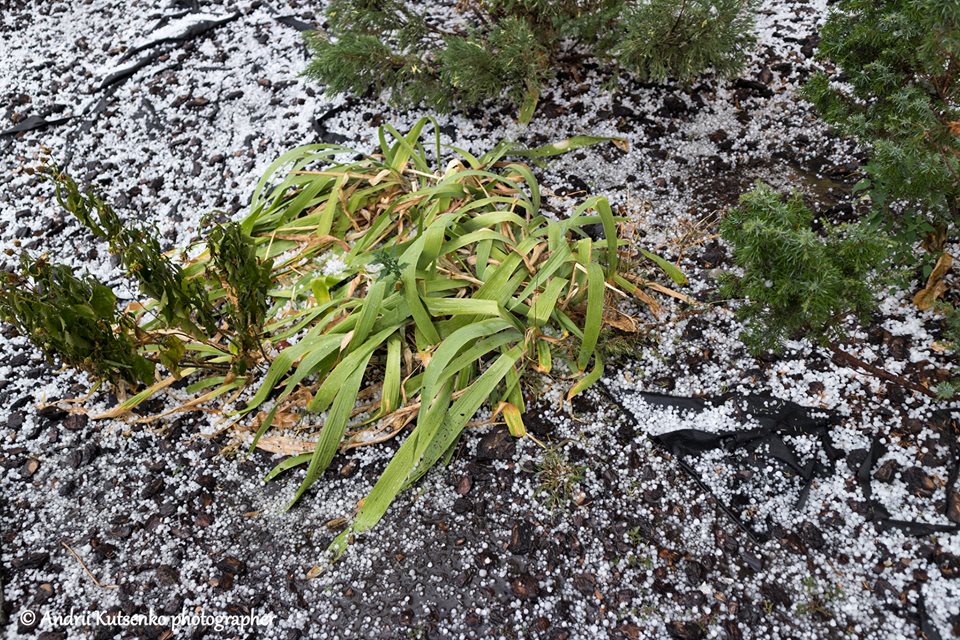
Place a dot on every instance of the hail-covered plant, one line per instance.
(227, 307)
(246, 280)
(794, 281)
(510, 48)
(899, 94)
(663, 39)
(74, 319)
(399, 293)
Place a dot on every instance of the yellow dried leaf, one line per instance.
(941, 347)
(621, 321)
(513, 418)
(285, 446)
(375, 180)
(926, 297)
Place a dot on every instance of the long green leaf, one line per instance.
(333, 427)
(420, 451)
(341, 373)
(564, 146)
(668, 267)
(594, 318)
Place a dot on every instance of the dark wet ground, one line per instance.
(644, 544)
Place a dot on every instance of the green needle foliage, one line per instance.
(377, 296)
(510, 48)
(795, 282)
(73, 318)
(950, 343)
(899, 96)
(663, 39)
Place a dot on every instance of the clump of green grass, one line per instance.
(819, 603)
(377, 294)
(558, 478)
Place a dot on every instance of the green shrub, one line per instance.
(421, 291)
(509, 48)
(231, 304)
(182, 302)
(795, 282)
(900, 96)
(663, 39)
(75, 319)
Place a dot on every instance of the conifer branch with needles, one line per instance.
(508, 49)
(900, 97)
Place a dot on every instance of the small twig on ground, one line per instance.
(883, 374)
(3, 614)
(84, 566)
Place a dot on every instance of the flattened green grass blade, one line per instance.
(333, 427)
(668, 267)
(544, 303)
(341, 374)
(389, 485)
(279, 368)
(591, 331)
(450, 347)
(411, 293)
(588, 380)
(392, 383)
(609, 234)
(437, 440)
(565, 146)
(431, 439)
(290, 463)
